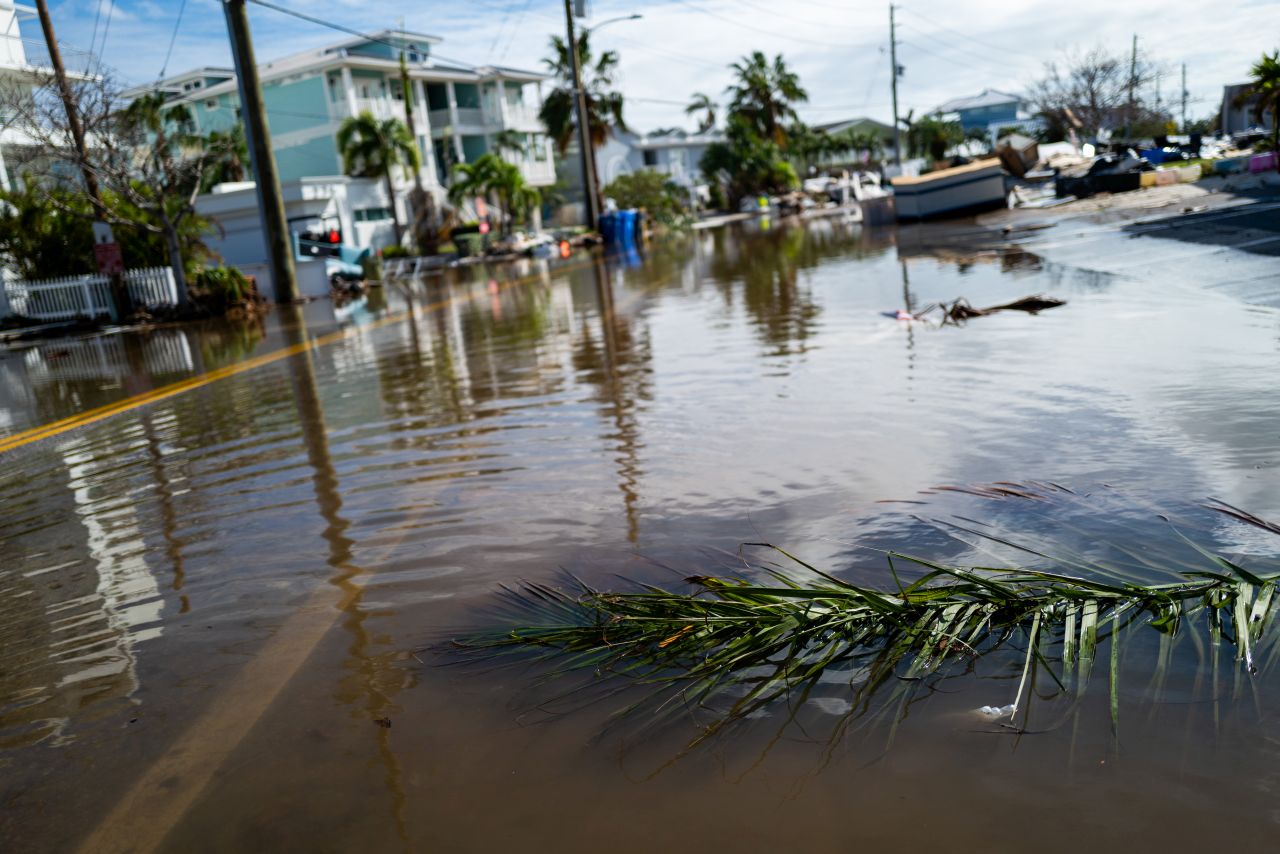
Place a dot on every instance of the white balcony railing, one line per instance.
(520, 117)
(381, 108)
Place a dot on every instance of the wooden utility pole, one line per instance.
(893, 83)
(69, 103)
(592, 195)
(1183, 126)
(119, 292)
(270, 202)
(1133, 85)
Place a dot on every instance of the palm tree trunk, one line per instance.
(391, 199)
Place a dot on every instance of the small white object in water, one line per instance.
(996, 711)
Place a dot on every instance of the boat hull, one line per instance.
(950, 192)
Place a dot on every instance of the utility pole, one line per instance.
(1183, 126)
(267, 185)
(119, 292)
(592, 196)
(893, 82)
(1133, 84)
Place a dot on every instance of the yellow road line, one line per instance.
(92, 416)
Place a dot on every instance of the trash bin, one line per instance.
(608, 226)
(627, 226)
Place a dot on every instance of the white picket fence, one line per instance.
(88, 296)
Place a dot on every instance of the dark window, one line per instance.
(650, 158)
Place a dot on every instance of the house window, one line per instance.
(650, 157)
(372, 214)
(211, 104)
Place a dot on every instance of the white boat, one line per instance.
(974, 187)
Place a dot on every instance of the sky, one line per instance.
(678, 47)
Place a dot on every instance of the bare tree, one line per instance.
(148, 164)
(1095, 91)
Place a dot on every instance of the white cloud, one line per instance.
(683, 46)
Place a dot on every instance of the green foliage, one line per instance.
(220, 285)
(810, 147)
(747, 164)
(931, 137)
(739, 644)
(700, 103)
(375, 148)
(229, 158)
(44, 234)
(652, 191)
(764, 95)
(604, 104)
(752, 159)
(395, 252)
(492, 177)
(1264, 84)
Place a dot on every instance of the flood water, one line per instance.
(221, 612)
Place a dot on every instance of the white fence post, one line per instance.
(72, 296)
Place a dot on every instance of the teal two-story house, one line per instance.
(458, 112)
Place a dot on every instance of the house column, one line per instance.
(422, 118)
(349, 89)
(453, 122)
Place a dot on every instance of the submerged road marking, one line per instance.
(92, 416)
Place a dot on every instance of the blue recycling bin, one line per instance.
(609, 227)
(627, 226)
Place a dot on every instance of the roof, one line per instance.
(337, 55)
(986, 98)
(854, 124)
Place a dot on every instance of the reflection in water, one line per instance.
(250, 562)
(371, 680)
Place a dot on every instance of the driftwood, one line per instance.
(960, 310)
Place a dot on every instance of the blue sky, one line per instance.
(682, 46)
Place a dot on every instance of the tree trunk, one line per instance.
(175, 257)
(395, 215)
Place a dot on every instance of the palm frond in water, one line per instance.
(749, 643)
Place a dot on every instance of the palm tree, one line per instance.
(373, 148)
(494, 178)
(703, 104)
(229, 157)
(604, 106)
(509, 140)
(1265, 86)
(765, 94)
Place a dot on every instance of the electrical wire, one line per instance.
(973, 39)
(111, 8)
(97, 18)
(737, 23)
(173, 39)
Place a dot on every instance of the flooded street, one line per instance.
(222, 602)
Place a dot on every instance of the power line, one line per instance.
(173, 39)
(96, 19)
(111, 8)
(774, 33)
(345, 29)
(973, 39)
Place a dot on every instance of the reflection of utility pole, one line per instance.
(624, 427)
(324, 477)
(267, 185)
(592, 196)
(1133, 85)
(909, 303)
(893, 83)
